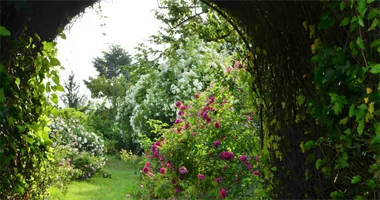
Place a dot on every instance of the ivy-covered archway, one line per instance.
(316, 72)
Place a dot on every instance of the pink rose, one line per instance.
(212, 99)
(178, 104)
(177, 121)
(182, 170)
(223, 193)
(226, 155)
(204, 115)
(218, 179)
(243, 158)
(217, 125)
(162, 170)
(249, 166)
(145, 170)
(153, 148)
(187, 125)
(168, 165)
(216, 143)
(256, 173)
(147, 164)
(201, 176)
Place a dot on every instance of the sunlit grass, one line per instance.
(123, 182)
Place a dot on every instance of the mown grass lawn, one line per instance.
(123, 182)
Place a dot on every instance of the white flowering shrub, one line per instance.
(75, 147)
(179, 75)
(74, 134)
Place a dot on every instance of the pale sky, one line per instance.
(128, 23)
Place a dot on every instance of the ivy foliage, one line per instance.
(346, 102)
(29, 81)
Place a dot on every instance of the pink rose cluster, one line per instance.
(205, 111)
(226, 155)
(180, 105)
(146, 167)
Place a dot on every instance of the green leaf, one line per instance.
(60, 88)
(372, 14)
(361, 111)
(372, 184)
(360, 22)
(375, 69)
(339, 102)
(17, 81)
(343, 121)
(341, 163)
(377, 128)
(374, 24)
(360, 126)
(20, 128)
(54, 62)
(355, 179)
(337, 195)
(308, 175)
(375, 43)
(372, 168)
(318, 164)
(2, 95)
(54, 98)
(375, 140)
(308, 145)
(345, 21)
(351, 111)
(19, 189)
(63, 36)
(4, 31)
(326, 23)
(342, 5)
(300, 99)
(358, 198)
(370, 1)
(360, 43)
(361, 6)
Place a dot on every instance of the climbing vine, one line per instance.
(347, 101)
(29, 80)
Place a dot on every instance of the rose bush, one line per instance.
(212, 149)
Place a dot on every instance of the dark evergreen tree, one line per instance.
(71, 96)
(113, 63)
